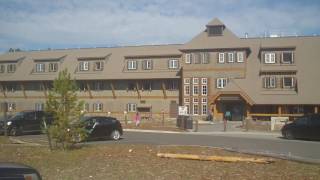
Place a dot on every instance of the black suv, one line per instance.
(305, 127)
(27, 122)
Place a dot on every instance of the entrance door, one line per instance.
(236, 108)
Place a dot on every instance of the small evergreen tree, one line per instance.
(62, 102)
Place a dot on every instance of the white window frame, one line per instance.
(40, 67)
(98, 65)
(195, 80)
(230, 57)
(147, 64)
(132, 64)
(195, 112)
(84, 65)
(240, 57)
(204, 90)
(187, 89)
(188, 59)
(98, 107)
(195, 100)
(11, 68)
(204, 80)
(221, 82)
(195, 90)
(186, 80)
(204, 109)
(221, 58)
(131, 107)
(188, 108)
(270, 58)
(292, 82)
(53, 67)
(204, 100)
(186, 100)
(270, 82)
(173, 64)
(284, 62)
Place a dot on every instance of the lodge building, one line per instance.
(213, 73)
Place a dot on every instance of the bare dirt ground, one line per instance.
(124, 161)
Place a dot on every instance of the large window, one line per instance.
(173, 64)
(40, 67)
(221, 83)
(287, 58)
(84, 66)
(188, 59)
(131, 107)
(98, 65)
(240, 57)
(132, 64)
(11, 68)
(53, 67)
(98, 107)
(269, 58)
(270, 82)
(147, 64)
(221, 58)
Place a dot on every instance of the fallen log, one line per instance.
(215, 158)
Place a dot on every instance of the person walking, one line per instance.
(137, 119)
(227, 116)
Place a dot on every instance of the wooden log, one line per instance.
(215, 158)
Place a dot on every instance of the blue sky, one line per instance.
(42, 24)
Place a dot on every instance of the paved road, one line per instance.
(257, 143)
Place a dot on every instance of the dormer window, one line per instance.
(215, 30)
(40, 67)
(2, 68)
(98, 66)
(53, 67)
(84, 66)
(287, 58)
(11, 68)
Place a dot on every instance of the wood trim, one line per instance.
(163, 86)
(89, 89)
(113, 90)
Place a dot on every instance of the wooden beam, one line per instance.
(163, 86)
(137, 88)
(89, 89)
(23, 90)
(113, 90)
(215, 158)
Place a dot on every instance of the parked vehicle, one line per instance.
(18, 171)
(305, 127)
(27, 122)
(99, 127)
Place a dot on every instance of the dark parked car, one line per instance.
(18, 171)
(102, 127)
(27, 122)
(305, 127)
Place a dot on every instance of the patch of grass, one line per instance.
(123, 161)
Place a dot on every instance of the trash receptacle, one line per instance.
(188, 122)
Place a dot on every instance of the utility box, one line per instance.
(184, 122)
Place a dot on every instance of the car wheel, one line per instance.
(115, 135)
(289, 135)
(15, 131)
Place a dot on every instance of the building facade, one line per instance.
(213, 73)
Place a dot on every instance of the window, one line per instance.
(82, 86)
(221, 58)
(188, 108)
(287, 58)
(39, 106)
(132, 65)
(98, 65)
(270, 82)
(221, 83)
(204, 80)
(270, 58)
(147, 64)
(288, 82)
(97, 107)
(2, 68)
(204, 90)
(188, 59)
(195, 109)
(86, 107)
(215, 30)
(195, 90)
(195, 100)
(84, 66)
(186, 80)
(98, 85)
(204, 109)
(186, 89)
(11, 68)
(197, 58)
(131, 86)
(204, 100)
(11, 106)
(173, 64)
(205, 58)
(147, 85)
(172, 85)
(40, 67)
(195, 80)
(187, 100)
(240, 57)
(131, 107)
(230, 57)
(53, 67)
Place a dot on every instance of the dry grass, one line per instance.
(122, 161)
